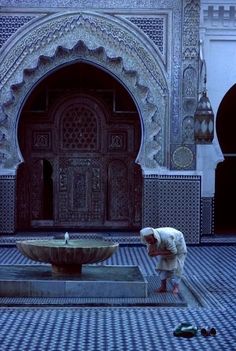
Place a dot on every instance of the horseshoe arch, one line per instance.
(103, 40)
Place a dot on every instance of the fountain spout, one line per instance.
(67, 238)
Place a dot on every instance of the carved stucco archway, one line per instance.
(102, 40)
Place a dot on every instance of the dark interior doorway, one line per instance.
(79, 134)
(47, 200)
(225, 187)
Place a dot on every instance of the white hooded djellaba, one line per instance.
(168, 239)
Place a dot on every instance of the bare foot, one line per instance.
(161, 290)
(175, 290)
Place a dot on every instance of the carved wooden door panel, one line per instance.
(124, 193)
(36, 183)
(80, 192)
(82, 159)
(23, 196)
(94, 176)
(118, 192)
(30, 193)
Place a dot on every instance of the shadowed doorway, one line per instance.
(79, 134)
(225, 194)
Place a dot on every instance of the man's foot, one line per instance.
(175, 289)
(161, 289)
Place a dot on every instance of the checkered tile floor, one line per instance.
(112, 329)
(209, 269)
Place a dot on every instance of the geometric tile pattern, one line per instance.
(219, 239)
(213, 265)
(10, 24)
(112, 329)
(126, 238)
(173, 201)
(207, 206)
(7, 207)
(210, 269)
(179, 205)
(153, 27)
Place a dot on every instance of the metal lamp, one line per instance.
(204, 118)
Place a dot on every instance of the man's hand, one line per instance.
(153, 251)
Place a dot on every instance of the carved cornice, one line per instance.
(219, 17)
(92, 29)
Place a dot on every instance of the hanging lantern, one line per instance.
(204, 121)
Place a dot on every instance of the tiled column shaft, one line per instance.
(173, 201)
(7, 204)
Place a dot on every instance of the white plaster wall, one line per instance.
(218, 36)
(220, 54)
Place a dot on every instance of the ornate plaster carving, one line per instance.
(101, 40)
(189, 82)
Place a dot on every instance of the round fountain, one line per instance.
(67, 255)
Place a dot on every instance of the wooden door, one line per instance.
(95, 181)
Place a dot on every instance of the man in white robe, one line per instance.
(169, 244)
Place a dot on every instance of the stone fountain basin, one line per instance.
(67, 258)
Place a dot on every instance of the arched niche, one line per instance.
(52, 41)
